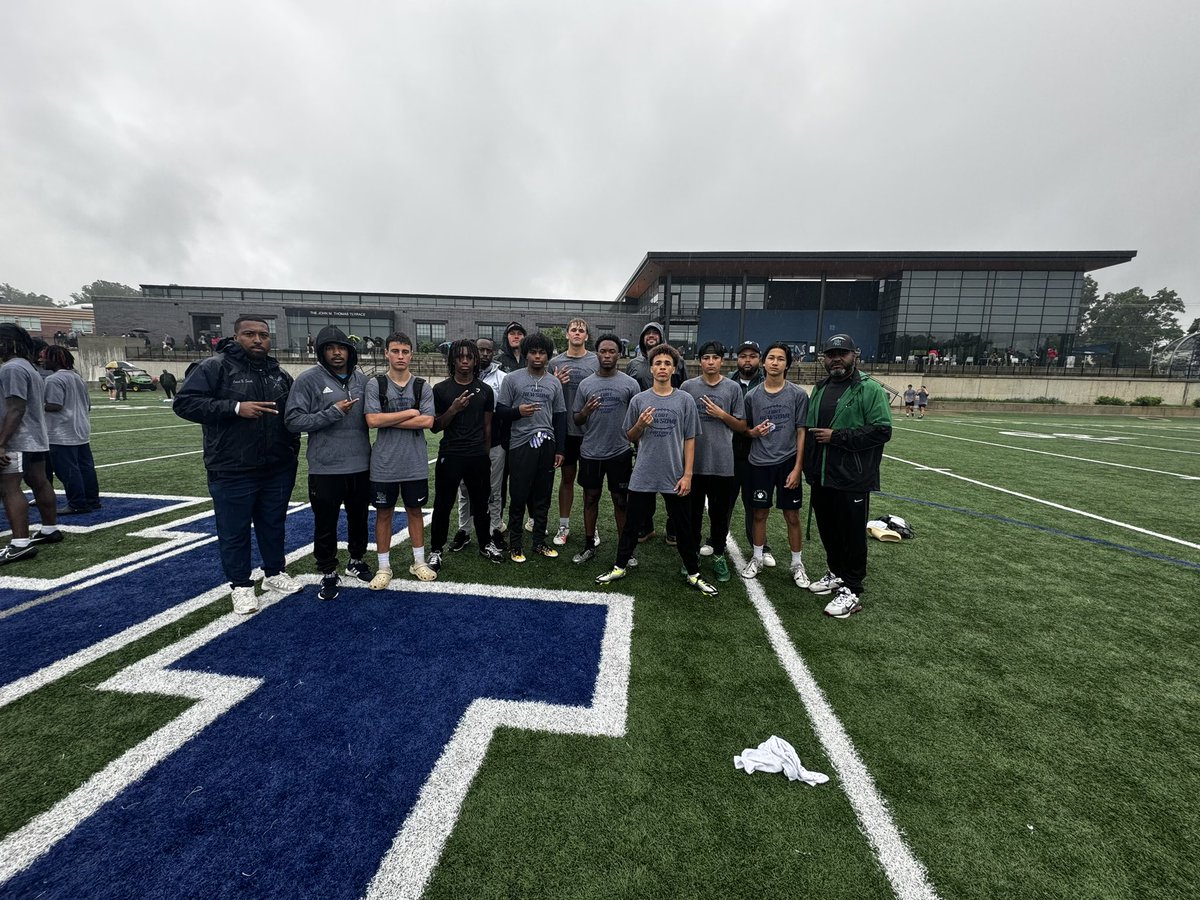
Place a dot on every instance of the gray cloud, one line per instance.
(542, 148)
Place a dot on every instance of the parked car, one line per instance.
(136, 379)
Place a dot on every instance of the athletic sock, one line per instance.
(418, 556)
(385, 560)
(49, 529)
(564, 521)
(796, 560)
(19, 542)
(758, 551)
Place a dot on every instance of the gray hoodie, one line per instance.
(338, 443)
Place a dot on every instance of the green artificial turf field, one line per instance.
(1014, 713)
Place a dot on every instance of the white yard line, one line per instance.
(1150, 430)
(1097, 462)
(131, 462)
(1057, 434)
(147, 428)
(1050, 503)
(904, 871)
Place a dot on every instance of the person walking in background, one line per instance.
(326, 403)
(119, 383)
(24, 447)
(910, 400)
(239, 396)
(848, 423)
(167, 382)
(922, 401)
(69, 431)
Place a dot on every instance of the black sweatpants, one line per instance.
(680, 512)
(448, 474)
(530, 484)
(741, 477)
(328, 494)
(842, 521)
(720, 491)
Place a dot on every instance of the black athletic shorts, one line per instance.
(414, 493)
(619, 470)
(571, 452)
(765, 481)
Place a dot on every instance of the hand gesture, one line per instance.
(646, 419)
(528, 409)
(563, 374)
(256, 409)
(461, 401)
(591, 406)
(344, 405)
(821, 435)
(711, 407)
(762, 429)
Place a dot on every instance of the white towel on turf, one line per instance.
(777, 755)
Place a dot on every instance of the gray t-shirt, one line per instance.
(788, 410)
(19, 379)
(714, 447)
(520, 387)
(604, 431)
(69, 427)
(400, 454)
(581, 367)
(660, 451)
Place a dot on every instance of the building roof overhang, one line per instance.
(857, 264)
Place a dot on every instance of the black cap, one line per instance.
(838, 342)
(515, 326)
(713, 346)
(749, 345)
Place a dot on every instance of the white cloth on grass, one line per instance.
(777, 755)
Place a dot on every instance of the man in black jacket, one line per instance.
(510, 359)
(239, 396)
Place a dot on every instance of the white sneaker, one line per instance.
(282, 583)
(244, 601)
(706, 550)
(844, 604)
(827, 584)
(616, 574)
(529, 525)
(564, 532)
(381, 580)
(632, 559)
(768, 559)
(800, 576)
(752, 568)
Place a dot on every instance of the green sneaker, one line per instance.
(683, 570)
(721, 568)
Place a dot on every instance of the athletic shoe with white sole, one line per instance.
(244, 601)
(517, 555)
(281, 583)
(752, 568)
(492, 553)
(545, 550)
(701, 585)
(587, 554)
(721, 568)
(529, 525)
(434, 560)
(632, 561)
(844, 604)
(826, 584)
(564, 532)
(768, 558)
(616, 574)
(330, 587)
(800, 576)
(381, 580)
(356, 568)
(422, 571)
(706, 549)
(461, 539)
(41, 537)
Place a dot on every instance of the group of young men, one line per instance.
(508, 421)
(919, 399)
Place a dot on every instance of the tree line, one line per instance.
(99, 288)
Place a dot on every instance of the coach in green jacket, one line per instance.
(848, 424)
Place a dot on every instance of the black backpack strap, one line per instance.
(418, 387)
(382, 382)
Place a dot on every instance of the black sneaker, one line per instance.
(493, 553)
(434, 560)
(498, 539)
(545, 550)
(671, 540)
(356, 568)
(461, 539)
(330, 587)
(40, 537)
(71, 511)
(12, 554)
(95, 504)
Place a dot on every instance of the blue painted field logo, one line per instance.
(331, 746)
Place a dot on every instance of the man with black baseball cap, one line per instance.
(848, 424)
(509, 359)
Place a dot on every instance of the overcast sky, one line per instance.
(540, 149)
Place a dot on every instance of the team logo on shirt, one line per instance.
(760, 494)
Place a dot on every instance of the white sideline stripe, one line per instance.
(147, 428)
(1151, 430)
(1097, 462)
(177, 503)
(904, 871)
(1050, 503)
(15, 690)
(1052, 434)
(130, 462)
(409, 864)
